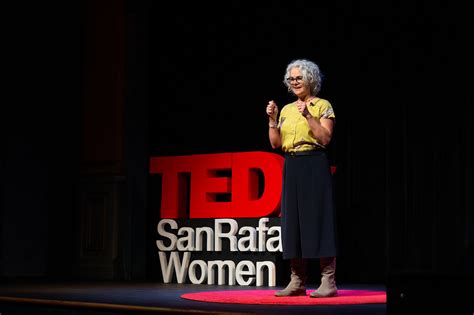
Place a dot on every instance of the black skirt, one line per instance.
(308, 221)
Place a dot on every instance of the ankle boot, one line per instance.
(328, 278)
(297, 285)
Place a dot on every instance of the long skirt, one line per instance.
(308, 220)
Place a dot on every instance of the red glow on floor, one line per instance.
(267, 297)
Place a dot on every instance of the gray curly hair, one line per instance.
(310, 72)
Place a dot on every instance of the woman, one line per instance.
(303, 131)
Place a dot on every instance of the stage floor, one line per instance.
(107, 297)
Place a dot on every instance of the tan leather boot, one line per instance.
(297, 285)
(328, 278)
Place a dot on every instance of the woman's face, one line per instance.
(299, 87)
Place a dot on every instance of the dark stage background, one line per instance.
(394, 74)
(103, 86)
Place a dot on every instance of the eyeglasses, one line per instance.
(297, 79)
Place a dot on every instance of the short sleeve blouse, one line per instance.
(294, 128)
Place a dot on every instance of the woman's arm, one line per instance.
(273, 130)
(320, 128)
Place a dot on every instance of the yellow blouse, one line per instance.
(295, 132)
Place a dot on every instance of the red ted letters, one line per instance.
(205, 184)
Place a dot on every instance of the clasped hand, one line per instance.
(272, 110)
(302, 108)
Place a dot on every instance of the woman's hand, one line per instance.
(302, 108)
(272, 111)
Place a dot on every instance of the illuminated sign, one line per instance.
(219, 215)
(206, 184)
